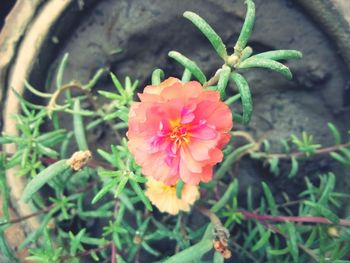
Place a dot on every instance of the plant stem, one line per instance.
(301, 154)
(75, 85)
(20, 219)
(87, 252)
(300, 219)
(113, 248)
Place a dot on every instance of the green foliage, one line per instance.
(196, 251)
(43, 177)
(305, 144)
(189, 64)
(240, 59)
(78, 126)
(47, 253)
(245, 97)
(247, 28)
(254, 62)
(209, 33)
(157, 76)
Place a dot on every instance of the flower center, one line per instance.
(179, 135)
(169, 188)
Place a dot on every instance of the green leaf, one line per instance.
(270, 200)
(189, 64)
(6, 140)
(346, 152)
(209, 33)
(278, 252)
(52, 138)
(232, 99)
(226, 165)
(60, 71)
(43, 177)
(33, 236)
(273, 162)
(223, 81)
(328, 189)
(279, 54)
(324, 211)
(75, 243)
(247, 28)
(121, 186)
(312, 237)
(105, 189)
(79, 131)
(246, 96)
(99, 73)
(149, 249)
(186, 76)
(141, 194)
(35, 91)
(110, 95)
(246, 53)
(179, 186)
(266, 63)
(24, 102)
(294, 167)
(262, 241)
(47, 151)
(110, 158)
(335, 132)
(249, 239)
(5, 248)
(118, 85)
(95, 214)
(340, 158)
(232, 190)
(292, 241)
(218, 258)
(120, 259)
(157, 76)
(192, 253)
(4, 189)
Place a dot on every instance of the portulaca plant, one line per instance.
(163, 192)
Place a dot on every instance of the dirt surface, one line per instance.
(146, 30)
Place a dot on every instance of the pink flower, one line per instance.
(177, 131)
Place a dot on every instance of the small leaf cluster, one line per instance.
(296, 150)
(284, 241)
(241, 59)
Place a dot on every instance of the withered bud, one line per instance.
(218, 246)
(226, 254)
(333, 231)
(51, 224)
(137, 239)
(79, 160)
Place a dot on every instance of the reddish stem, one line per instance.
(87, 252)
(300, 219)
(113, 259)
(318, 151)
(20, 219)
